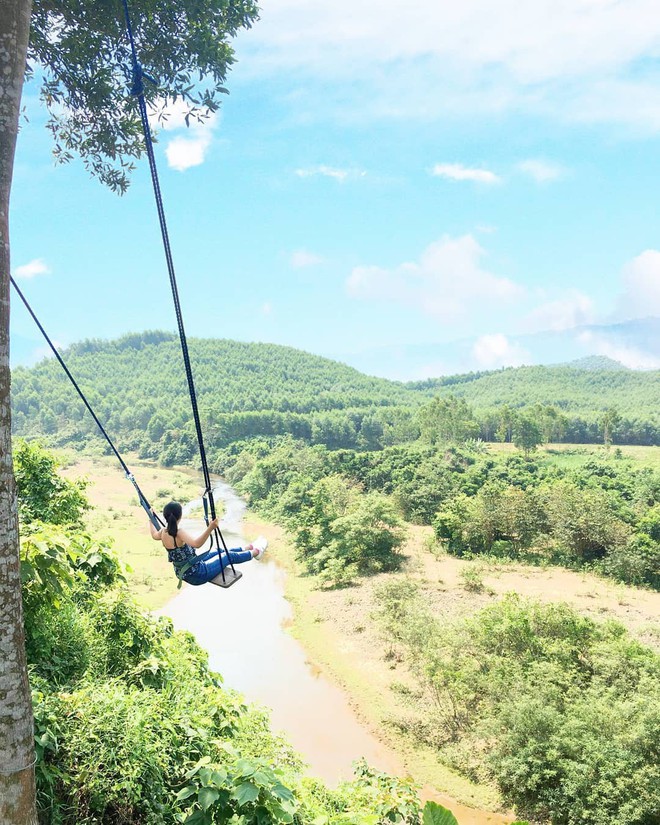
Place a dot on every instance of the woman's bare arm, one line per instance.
(200, 540)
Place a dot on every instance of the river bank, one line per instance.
(117, 516)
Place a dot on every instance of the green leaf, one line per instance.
(207, 796)
(262, 779)
(245, 768)
(283, 792)
(203, 761)
(198, 818)
(219, 777)
(245, 793)
(184, 793)
(435, 814)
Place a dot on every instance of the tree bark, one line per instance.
(17, 784)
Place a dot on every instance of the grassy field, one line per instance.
(118, 516)
(574, 455)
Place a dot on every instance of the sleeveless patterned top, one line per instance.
(181, 555)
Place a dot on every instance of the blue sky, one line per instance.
(382, 177)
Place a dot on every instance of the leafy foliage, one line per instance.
(81, 55)
(131, 725)
(558, 710)
(435, 814)
(44, 495)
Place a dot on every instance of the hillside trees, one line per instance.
(256, 390)
(91, 116)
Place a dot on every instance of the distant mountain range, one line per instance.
(634, 344)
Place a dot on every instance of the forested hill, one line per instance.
(586, 387)
(138, 388)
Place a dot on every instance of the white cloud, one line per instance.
(30, 270)
(477, 54)
(184, 152)
(594, 34)
(190, 147)
(456, 171)
(45, 352)
(267, 309)
(572, 310)
(491, 351)
(340, 175)
(641, 286)
(632, 357)
(542, 171)
(446, 282)
(301, 259)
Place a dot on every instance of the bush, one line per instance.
(560, 711)
(43, 495)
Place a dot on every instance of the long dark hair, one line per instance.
(172, 513)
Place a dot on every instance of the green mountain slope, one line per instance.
(570, 387)
(138, 388)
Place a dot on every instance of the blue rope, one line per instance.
(137, 89)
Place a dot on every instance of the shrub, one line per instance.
(43, 495)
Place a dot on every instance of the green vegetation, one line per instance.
(131, 726)
(555, 710)
(601, 514)
(137, 387)
(559, 711)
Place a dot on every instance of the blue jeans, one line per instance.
(211, 565)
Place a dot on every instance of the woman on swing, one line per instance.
(181, 546)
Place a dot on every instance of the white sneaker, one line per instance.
(260, 544)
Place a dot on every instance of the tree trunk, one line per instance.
(17, 787)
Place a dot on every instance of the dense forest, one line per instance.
(137, 386)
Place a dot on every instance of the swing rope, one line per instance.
(155, 520)
(137, 89)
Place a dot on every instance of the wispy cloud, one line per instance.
(302, 259)
(446, 282)
(491, 351)
(641, 286)
(542, 171)
(456, 171)
(629, 356)
(30, 270)
(572, 309)
(475, 56)
(340, 175)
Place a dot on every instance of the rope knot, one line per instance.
(139, 76)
